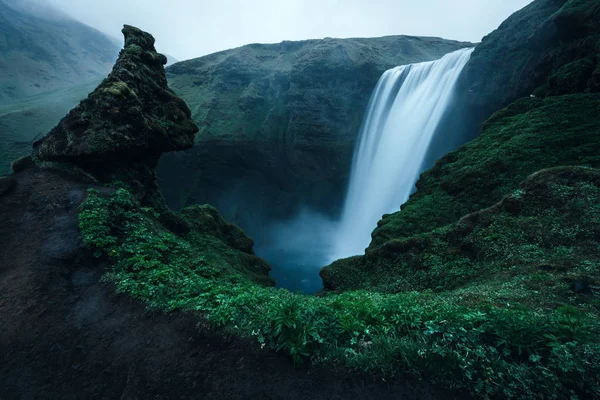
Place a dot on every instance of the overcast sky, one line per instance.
(191, 28)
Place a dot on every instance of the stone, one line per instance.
(126, 123)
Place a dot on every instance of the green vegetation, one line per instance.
(26, 120)
(546, 228)
(149, 254)
(529, 135)
(44, 50)
(491, 348)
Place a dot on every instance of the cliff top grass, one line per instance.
(520, 331)
(527, 136)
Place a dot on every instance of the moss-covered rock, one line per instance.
(278, 122)
(530, 135)
(206, 219)
(122, 128)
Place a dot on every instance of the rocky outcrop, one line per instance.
(278, 122)
(119, 132)
(550, 47)
(206, 219)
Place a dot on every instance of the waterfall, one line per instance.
(403, 114)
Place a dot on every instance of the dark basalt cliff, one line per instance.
(278, 122)
(551, 47)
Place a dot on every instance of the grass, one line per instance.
(529, 135)
(491, 349)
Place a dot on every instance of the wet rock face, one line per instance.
(548, 48)
(126, 123)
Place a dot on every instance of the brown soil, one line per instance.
(66, 335)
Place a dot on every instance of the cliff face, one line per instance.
(550, 47)
(278, 122)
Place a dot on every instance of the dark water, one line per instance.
(295, 270)
(297, 250)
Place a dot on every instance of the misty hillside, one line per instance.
(44, 50)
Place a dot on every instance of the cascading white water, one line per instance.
(404, 112)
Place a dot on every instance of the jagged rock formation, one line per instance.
(126, 123)
(117, 135)
(278, 122)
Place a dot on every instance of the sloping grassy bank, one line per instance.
(498, 345)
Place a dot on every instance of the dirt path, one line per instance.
(64, 334)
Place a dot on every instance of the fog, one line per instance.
(192, 28)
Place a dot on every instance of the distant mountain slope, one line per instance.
(23, 121)
(44, 50)
(278, 121)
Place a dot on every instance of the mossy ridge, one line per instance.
(507, 349)
(548, 228)
(134, 235)
(527, 136)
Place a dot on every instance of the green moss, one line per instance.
(529, 135)
(549, 226)
(119, 89)
(497, 350)
(572, 77)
